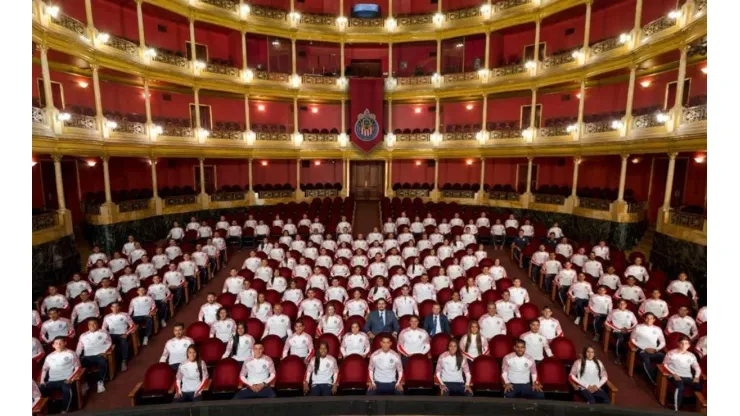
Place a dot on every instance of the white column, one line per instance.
(293, 55)
(439, 6)
(630, 99)
(537, 45)
(669, 181)
(341, 58)
(581, 105)
(390, 115)
(153, 163)
(487, 55)
(439, 56)
(529, 174)
(637, 27)
(587, 31)
(436, 174)
(244, 52)
(140, 24)
(574, 187)
(106, 180)
(246, 113)
(344, 116)
(622, 177)
(678, 105)
(298, 175)
(345, 176)
(482, 173)
(295, 115)
(96, 91)
(193, 58)
(390, 173)
(202, 176)
(60, 184)
(250, 174)
(484, 116)
(89, 16)
(196, 99)
(533, 112)
(46, 76)
(147, 102)
(390, 59)
(349, 177)
(437, 116)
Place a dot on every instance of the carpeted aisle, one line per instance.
(367, 216)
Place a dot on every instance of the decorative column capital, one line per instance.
(530, 159)
(57, 158)
(105, 158)
(95, 67)
(202, 159)
(42, 47)
(577, 160)
(672, 155)
(624, 156)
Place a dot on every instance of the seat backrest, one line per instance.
(255, 328)
(485, 371)
(291, 371)
(500, 345)
(476, 310)
(515, 327)
(159, 378)
(211, 350)
(332, 341)
(239, 313)
(376, 341)
(439, 344)
(273, 345)
(353, 370)
(226, 299)
(290, 309)
(226, 375)
(198, 331)
(459, 326)
(551, 373)
(418, 370)
(309, 324)
(563, 349)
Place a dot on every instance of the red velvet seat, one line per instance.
(529, 311)
(211, 350)
(273, 345)
(439, 344)
(500, 345)
(273, 297)
(459, 326)
(332, 341)
(485, 374)
(564, 350)
(309, 324)
(490, 296)
(198, 331)
(259, 285)
(419, 374)
(444, 296)
(425, 308)
(226, 300)
(255, 328)
(225, 377)
(503, 284)
(353, 374)
(157, 387)
(239, 313)
(476, 310)
(290, 375)
(553, 377)
(404, 321)
(516, 327)
(290, 309)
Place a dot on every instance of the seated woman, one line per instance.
(473, 343)
(590, 375)
(452, 372)
(192, 376)
(322, 373)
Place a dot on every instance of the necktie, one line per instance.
(434, 328)
(382, 318)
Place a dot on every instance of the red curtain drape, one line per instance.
(366, 112)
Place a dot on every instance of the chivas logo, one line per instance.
(366, 127)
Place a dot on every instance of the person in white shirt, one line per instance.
(290, 228)
(537, 344)
(223, 327)
(580, 292)
(621, 321)
(685, 370)
(682, 322)
(389, 227)
(304, 221)
(456, 221)
(579, 258)
(356, 305)
(399, 279)
(385, 370)
(318, 280)
(331, 322)
(261, 309)
(176, 232)
(519, 372)
(76, 286)
(278, 323)
(258, 372)
(128, 281)
(193, 224)
(589, 373)
(564, 280)
(205, 230)
(498, 231)
(601, 250)
(405, 304)
(143, 311)
(481, 253)
(208, 313)
(650, 341)
(53, 300)
(469, 260)
(293, 293)
(537, 261)
(145, 269)
(190, 271)
(413, 340)
(455, 307)
(339, 269)
(429, 220)
(379, 291)
(701, 316)
(491, 324)
(95, 256)
(355, 342)
(99, 273)
(638, 271)
(473, 343)
(485, 280)
(551, 269)
(683, 286)
(173, 250)
(299, 343)
(564, 248)
(393, 259)
(600, 305)
(264, 272)
(161, 295)
(117, 263)
(311, 306)
(322, 373)
(252, 262)
(471, 228)
(202, 260)
(129, 246)
(442, 281)
(298, 244)
(241, 345)
(106, 294)
(277, 283)
(470, 293)
(191, 377)
(92, 348)
(432, 260)
(511, 222)
(136, 254)
(507, 309)
(261, 231)
(409, 251)
(549, 326)
(593, 267)
(176, 282)
(175, 350)
(357, 280)
(360, 243)
(415, 269)
(61, 367)
(555, 229)
(655, 305)
(317, 227)
(417, 228)
(119, 325)
(528, 229)
(444, 227)
(234, 283)
(444, 251)
(55, 327)
(359, 259)
(630, 292)
(701, 347)
(610, 279)
(424, 290)
(85, 309)
(519, 295)
(452, 372)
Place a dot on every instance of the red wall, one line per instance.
(71, 197)
(37, 185)
(506, 109)
(638, 177)
(116, 18)
(414, 53)
(457, 113)
(328, 171)
(74, 94)
(221, 44)
(552, 171)
(224, 109)
(176, 172)
(230, 171)
(606, 98)
(698, 79)
(510, 47)
(35, 76)
(553, 105)
(696, 183)
(599, 172)
(122, 98)
(328, 117)
(274, 113)
(276, 172)
(319, 58)
(553, 32)
(655, 9)
(318, 6)
(129, 173)
(413, 7)
(458, 171)
(655, 93)
(404, 116)
(178, 32)
(367, 52)
(73, 8)
(502, 171)
(406, 171)
(275, 4)
(613, 20)
(177, 107)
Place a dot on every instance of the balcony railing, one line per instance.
(508, 4)
(230, 5)
(90, 208)
(503, 195)
(594, 203)
(319, 19)
(221, 69)
(275, 194)
(180, 200)
(80, 121)
(131, 127)
(458, 193)
(506, 134)
(134, 205)
(170, 59)
(462, 14)
(508, 70)
(559, 59)
(411, 193)
(461, 77)
(606, 45)
(272, 76)
(45, 220)
(646, 121)
(549, 199)
(636, 207)
(366, 23)
(227, 196)
(413, 137)
(413, 81)
(682, 219)
(273, 136)
(700, 6)
(268, 12)
(694, 114)
(459, 136)
(38, 115)
(657, 26)
(69, 23)
(557, 131)
(226, 134)
(319, 137)
(603, 126)
(177, 131)
(415, 19)
(310, 79)
(123, 45)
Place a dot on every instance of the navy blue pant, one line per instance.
(524, 391)
(647, 363)
(178, 294)
(188, 396)
(121, 344)
(146, 324)
(598, 323)
(680, 385)
(456, 389)
(67, 390)
(580, 306)
(563, 293)
(163, 309)
(203, 275)
(621, 338)
(599, 396)
(96, 361)
(266, 393)
(535, 276)
(320, 390)
(384, 389)
(175, 367)
(192, 284)
(547, 283)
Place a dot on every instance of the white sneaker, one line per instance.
(101, 387)
(145, 341)
(578, 320)
(164, 323)
(123, 366)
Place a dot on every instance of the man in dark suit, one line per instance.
(436, 322)
(381, 320)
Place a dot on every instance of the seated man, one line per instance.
(498, 231)
(649, 340)
(381, 320)
(580, 292)
(257, 373)
(593, 267)
(234, 234)
(85, 309)
(117, 263)
(537, 344)
(190, 271)
(436, 322)
(299, 343)
(222, 224)
(176, 232)
(106, 294)
(654, 305)
(600, 305)
(621, 321)
(564, 248)
(630, 291)
(556, 230)
(682, 322)
(205, 230)
(95, 256)
(601, 250)
(413, 340)
(685, 369)
(175, 281)
(119, 325)
(160, 259)
(100, 272)
(56, 327)
(519, 372)
(145, 269)
(519, 243)
(385, 370)
(161, 294)
(60, 368)
(74, 288)
(564, 280)
(91, 349)
(53, 300)
(638, 271)
(143, 311)
(173, 250)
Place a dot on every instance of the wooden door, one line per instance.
(210, 176)
(367, 180)
(521, 185)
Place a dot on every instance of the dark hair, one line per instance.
(683, 338)
(478, 338)
(212, 293)
(197, 360)
(179, 324)
(317, 357)
(458, 354)
(584, 359)
(520, 341)
(237, 336)
(218, 313)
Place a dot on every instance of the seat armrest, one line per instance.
(207, 386)
(612, 392)
(135, 392)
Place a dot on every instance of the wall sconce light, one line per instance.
(572, 128)
(297, 139)
(617, 124)
(436, 79)
(418, 163)
(469, 107)
(391, 24)
(199, 65)
(150, 53)
(436, 138)
(295, 81)
(64, 116)
(483, 74)
(92, 162)
(674, 15)
(530, 65)
(102, 38)
(624, 38)
(636, 160)
(343, 139)
(244, 11)
(576, 54)
(390, 83)
(111, 125)
(203, 135)
(578, 95)
(294, 18)
(482, 136)
(248, 75)
(485, 11)
(700, 158)
(704, 70)
(469, 162)
(155, 131)
(438, 19)
(52, 11)
(33, 163)
(260, 107)
(342, 23)
(264, 163)
(342, 82)
(250, 137)
(527, 134)
(390, 139)
(646, 83)
(662, 117)
(317, 163)
(314, 110)
(82, 84)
